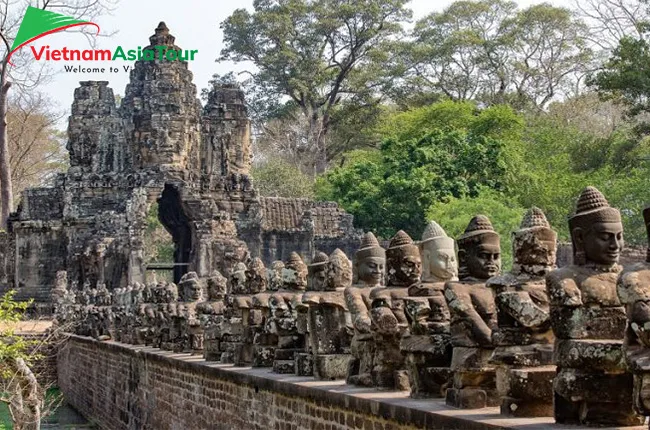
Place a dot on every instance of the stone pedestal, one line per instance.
(331, 366)
(474, 380)
(427, 362)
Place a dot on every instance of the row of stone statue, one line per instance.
(573, 343)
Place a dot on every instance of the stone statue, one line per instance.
(265, 340)
(283, 321)
(523, 338)
(251, 317)
(231, 329)
(427, 345)
(473, 317)
(191, 330)
(389, 322)
(330, 327)
(633, 289)
(370, 263)
(592, 386)
(211, 315)
(316, 282)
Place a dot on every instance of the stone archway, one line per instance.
(176, 222)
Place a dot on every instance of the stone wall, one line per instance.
(121, 386)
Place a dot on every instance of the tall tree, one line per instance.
(489, 51)
(313, 54)
(36, 147)
(25, 74)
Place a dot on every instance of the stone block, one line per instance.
(606, 355)
(285, 367)
(263, 356)
(470, 398)
(331, 366)
(474, 358)
(304, 364)
(523, 356)
(588, 386)
(588, 322)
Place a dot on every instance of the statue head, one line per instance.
(596, 230)
(294, 275)
(170, 293)
(479, 250)
(370, 261)
(534, 244)
(217, 286)
(256, 276)
(339, 271)
(238, 279)
(438, 255)
(275, 275)
(403, 261)
(190, 287)
(317, 272)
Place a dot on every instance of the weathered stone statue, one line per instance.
(523, 338)
(389, 322)
(211, 314)
(191, 330)
(633, 289)
(231, 329)
(316, 281)
(330, 328)
(473, 317)
(265, 340)
(168, 312)
(256, 282)
(427, 345)
(370, 263)
(284, 315)
(592, 386)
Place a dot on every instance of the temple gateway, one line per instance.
(160, 145)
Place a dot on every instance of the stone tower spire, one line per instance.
(162, 111)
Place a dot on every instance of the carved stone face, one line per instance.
(371, 270)
(438, 263)
(535, 251)
(194, 292)
(217, 286)
(602, 243)
(405, 270)
(484, 260)
(339, 274)
(317, 277)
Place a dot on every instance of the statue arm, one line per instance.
(520, 306)
(358, 311)
(461, 306)
(563, 291)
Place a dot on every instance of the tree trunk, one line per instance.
(318, 130)
(6, 188)
(26, 397)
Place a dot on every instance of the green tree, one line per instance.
(315, 53)
(19, 389)
(446, 150)
(626, 75)
(489, 51)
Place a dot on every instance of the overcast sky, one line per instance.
(195, 23)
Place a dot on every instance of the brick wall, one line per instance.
(120, 386)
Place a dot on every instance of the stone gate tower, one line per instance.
(160, 145)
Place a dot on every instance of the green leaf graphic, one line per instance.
(38, 21)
